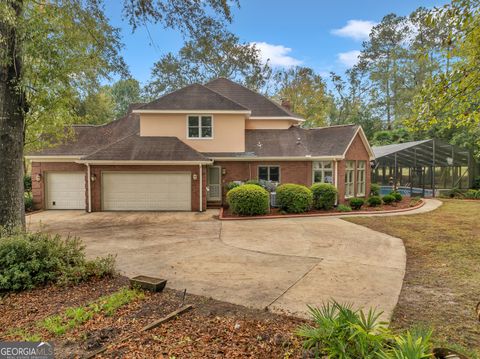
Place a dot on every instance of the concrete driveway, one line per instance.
(282, 264)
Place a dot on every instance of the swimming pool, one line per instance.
(405, 191)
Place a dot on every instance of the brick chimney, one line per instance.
(286, 103)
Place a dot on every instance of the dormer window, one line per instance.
(200, 126)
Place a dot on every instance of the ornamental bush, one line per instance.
(388, 199)
(248, 200)
(356, 203)
(294, 198)
(397, 195)
(344, 208)
(31, 259)
(324, 195)
(374, 189)
(374, 201)
(471, 194)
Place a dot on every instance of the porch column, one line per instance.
(200, 182)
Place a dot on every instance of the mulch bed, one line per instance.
(404, 204)
(213, 329)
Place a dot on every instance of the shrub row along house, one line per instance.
(179, 151)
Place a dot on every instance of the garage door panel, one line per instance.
(65, 190)
(141, 191)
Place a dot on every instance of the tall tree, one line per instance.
(306, 92)
(449, 102)
(382, 57)
(50, 50)
(97, 107)
(123, 93)
(216, 53)
(351, 102)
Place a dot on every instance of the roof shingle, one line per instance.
(193, 97)
(141, 148)
(260, 105)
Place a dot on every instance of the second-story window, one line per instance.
(200, 126)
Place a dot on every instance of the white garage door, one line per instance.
(65, 190)
(152, 191)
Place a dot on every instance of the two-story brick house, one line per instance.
(179, 151)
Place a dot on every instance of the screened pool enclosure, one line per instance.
(422, 168)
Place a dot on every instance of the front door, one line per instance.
(214, 183)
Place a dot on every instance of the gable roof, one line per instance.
(331, 141)
(86, 139)
(193, 97)
(260, 105)
(140, 148)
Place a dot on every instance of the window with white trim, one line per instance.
(361, 172)
(200, 126)
(269, 173)
(322, 172)
(349, 178)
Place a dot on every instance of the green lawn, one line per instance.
(442, 284)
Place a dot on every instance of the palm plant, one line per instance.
(341, 332)
(414, 344)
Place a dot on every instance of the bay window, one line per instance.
(349, 178)
(361, 172)
(323, 172)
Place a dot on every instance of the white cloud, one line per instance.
(349, 58)
(355, 29)
(276, 54)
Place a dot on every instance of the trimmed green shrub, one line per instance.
(388, 199)
(471, 194)
(374, 201)
(374, 189)
(294, 198)
(31, 259)
(231, 185)
(324, 195)
(344, 208)
(27, 183)
(248, 200)
(28, 201)
(356, 203)
(397, 195)
(478, 195)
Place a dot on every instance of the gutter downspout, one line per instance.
(201, 187)
(89, 189)
(336, 180)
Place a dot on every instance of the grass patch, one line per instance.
(442, 281)
(71, 318)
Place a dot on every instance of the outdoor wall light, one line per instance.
(224, 171)
(194, 176)
(38, 177)
(93, 177)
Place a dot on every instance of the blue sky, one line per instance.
(322, 34)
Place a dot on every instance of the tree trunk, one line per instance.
(12, 124)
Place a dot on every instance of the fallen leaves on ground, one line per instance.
(213, 329)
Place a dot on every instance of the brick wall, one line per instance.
(356, 152)
(38, 188)
(290, 171)
(42, 168)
